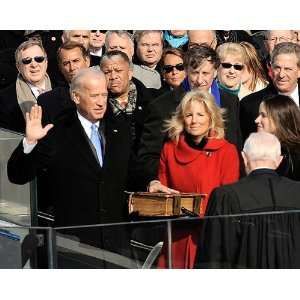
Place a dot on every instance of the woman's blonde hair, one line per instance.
(254, 65)
(231, 48)
(175, 126)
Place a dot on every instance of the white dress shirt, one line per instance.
(294, 95)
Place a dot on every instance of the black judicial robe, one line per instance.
(257, 234)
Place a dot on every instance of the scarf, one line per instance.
(214, 90)
(228, 90)
(130, 107)
(174, 41)
(25, 96)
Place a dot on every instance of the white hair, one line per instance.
(76, 82)
(262, 146)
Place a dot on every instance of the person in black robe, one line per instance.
(243, 238)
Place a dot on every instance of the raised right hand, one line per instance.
(34, 128)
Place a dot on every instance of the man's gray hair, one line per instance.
(267, 33)
(262, 146)
(76, 83)
(120, 33)
(286, 48)
(25, 45)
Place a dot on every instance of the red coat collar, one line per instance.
(186, 154)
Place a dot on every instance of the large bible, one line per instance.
(165, 205)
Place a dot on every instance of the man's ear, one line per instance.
(75, 98)
(278, 161)
(130, 74)
(245, 159)
(18, 67)
(215, 73)
(298, 73)
(88, 61)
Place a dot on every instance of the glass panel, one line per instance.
(268, 240)
(14, 199)
(261, 240)
(124, 245)
(22, 247)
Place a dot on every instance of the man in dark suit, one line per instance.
(201, 63)
(285, 64)
(83, 186)
(259, 241)
(127, 102)
(71, 57)
(82, 37)
(32, 80)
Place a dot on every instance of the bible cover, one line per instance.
(164, 205)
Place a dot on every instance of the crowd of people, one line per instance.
(105, 112)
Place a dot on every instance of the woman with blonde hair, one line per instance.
(254, 78)
(196, 159)
(229, 75)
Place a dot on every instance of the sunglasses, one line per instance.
(236, 67)
(102, 31)
(28, 60)
(169, 68)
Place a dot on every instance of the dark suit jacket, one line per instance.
(128, 129)
(11, 116)
(249, 108)
(257, 241)
(162, 109)
(80, 191)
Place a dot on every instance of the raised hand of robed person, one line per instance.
(34, 129)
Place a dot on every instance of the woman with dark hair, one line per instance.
(172, 66)
(281, 116)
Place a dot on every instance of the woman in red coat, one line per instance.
(196, 159)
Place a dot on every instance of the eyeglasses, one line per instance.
(279, 39)
(28, 60)
(169, 68)
(102, 31)
(236, 66)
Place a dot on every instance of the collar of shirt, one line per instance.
(35, 90)
(294, 95)
(97, 53)
(149, 69)
(86, 124)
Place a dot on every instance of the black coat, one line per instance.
(290, 164)
(80, 191)
(11, 116)
(152, 139)
(255, 241)
(128, 130)
(249, 108)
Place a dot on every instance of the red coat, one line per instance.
(196, 171)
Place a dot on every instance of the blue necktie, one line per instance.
(95, 139)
